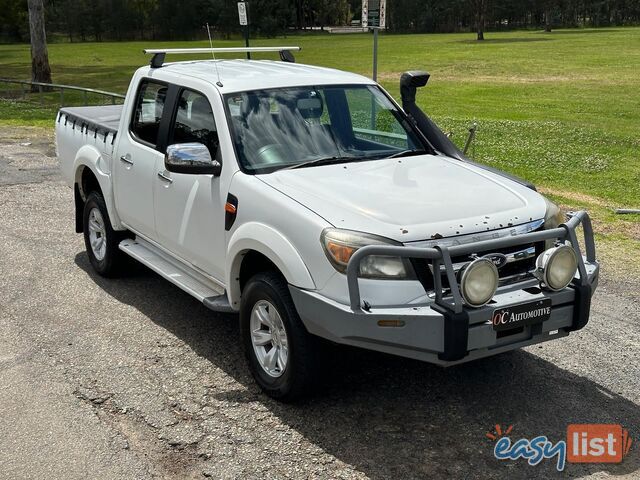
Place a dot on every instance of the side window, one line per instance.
(148, 111)
(373, 121)
(194, 122)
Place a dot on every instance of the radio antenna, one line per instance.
(213, 54)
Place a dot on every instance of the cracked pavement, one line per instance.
(132, 378)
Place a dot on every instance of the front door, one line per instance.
(134, 169)
(189, 213)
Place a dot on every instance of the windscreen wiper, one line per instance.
(407, 153)
(322, 161)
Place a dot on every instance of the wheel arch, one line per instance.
(92, 172)
(256, 242)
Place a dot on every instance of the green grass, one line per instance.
(560, 109)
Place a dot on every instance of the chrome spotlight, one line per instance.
(479, 282)
(556, 267)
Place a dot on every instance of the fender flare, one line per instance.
(273, 245)
(90, 157)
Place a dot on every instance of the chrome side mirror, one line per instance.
(193, 158)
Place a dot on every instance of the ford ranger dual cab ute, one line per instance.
(311, 203)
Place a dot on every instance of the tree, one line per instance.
(13, 21)
(548, 6)
(480, 12)
(104, 20)
(40, 69)
(300, 11)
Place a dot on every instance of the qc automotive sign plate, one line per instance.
(520, 315)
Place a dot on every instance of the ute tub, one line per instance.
(445, 331)
(79, 127)
(101, 120)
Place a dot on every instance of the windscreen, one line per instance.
(284, 127)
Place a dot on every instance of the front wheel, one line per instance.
(100, 239)
(280, 351)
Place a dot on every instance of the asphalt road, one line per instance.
(132, 378)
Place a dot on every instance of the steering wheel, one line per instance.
(271, 154)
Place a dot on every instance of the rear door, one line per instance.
(189, 208)
(137, 157)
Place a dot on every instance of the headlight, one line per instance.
(556, 267)
(340, 245)
(553, 217)
(479, 282)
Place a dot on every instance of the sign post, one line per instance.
(374, 16)
(243, 16)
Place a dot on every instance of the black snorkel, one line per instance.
(409, 84)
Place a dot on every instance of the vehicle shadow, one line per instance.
(390, 417)
(588, 31)
(487, 41)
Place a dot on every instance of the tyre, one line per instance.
(282, 355)
(100, 240)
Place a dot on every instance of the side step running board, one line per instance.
(219, 304)
(195, 284)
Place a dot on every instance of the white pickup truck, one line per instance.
(308, 201)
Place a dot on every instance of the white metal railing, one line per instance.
(42, 86)
(378, 133)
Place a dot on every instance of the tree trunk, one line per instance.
(40, 70)
(481, 6)
(547, 19)
(299, 13)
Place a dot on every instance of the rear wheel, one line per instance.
(100, 240)
(280, 352)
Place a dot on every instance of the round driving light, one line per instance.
(479, 282)
(556, 267)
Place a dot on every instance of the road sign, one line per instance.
(243, 16)
(374, 16)
(374, 13)
(242, 13)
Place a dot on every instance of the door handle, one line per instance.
(164, 177)
(126, 159)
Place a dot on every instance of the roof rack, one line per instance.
(159, 53)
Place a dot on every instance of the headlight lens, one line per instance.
(479, 282)
(553, 216)
(556, 267)
(340, 245)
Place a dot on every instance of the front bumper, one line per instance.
(445, 331)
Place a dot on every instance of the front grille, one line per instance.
(520, 264)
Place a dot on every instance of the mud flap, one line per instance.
(79, 208)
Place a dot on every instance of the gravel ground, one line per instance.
(132, 378)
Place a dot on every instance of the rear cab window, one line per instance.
(147, 114)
